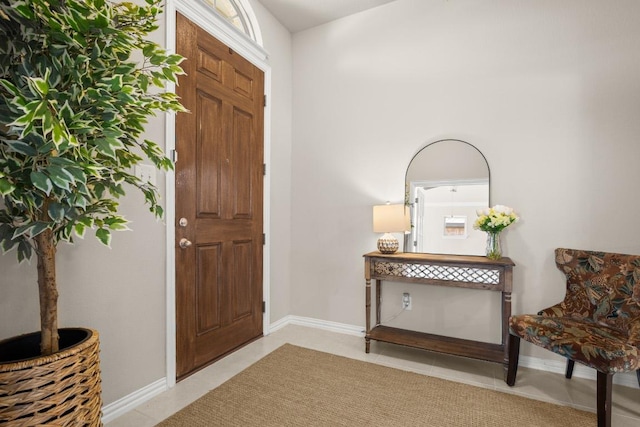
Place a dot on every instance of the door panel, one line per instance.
(209, 264)
(241, 158)
(219, 190)
(241, 293)
(209, 154)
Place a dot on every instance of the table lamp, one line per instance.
(390, 219)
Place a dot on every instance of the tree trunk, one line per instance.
(46, 250)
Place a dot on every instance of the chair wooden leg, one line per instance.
(514, 354)
(605, 385)
(569, 372)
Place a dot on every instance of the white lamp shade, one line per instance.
(391, 219)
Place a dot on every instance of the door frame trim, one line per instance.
(208, 20)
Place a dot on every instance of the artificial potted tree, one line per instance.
(78, 81)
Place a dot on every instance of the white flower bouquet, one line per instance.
(495, 219)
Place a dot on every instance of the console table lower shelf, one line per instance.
(441, 344)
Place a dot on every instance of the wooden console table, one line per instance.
(473, 272)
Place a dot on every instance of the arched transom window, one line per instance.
(234, 13)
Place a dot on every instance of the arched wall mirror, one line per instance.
(446, 182)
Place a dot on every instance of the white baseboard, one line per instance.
(279, 324)
(341, 328)
(121, 406)
(628, 379)
(131, 401)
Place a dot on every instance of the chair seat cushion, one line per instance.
(596, 345)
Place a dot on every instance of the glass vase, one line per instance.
(494, 248)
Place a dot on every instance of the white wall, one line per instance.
(547, 90)
(277, 42)
(121, 291)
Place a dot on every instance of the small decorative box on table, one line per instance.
(460, 271)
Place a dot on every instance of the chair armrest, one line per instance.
(557, 310)
(573, 306)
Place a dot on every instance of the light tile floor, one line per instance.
(577, 392)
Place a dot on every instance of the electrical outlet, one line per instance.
(146, 173)
(406, 301)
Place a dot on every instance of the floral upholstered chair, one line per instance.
(597, 324)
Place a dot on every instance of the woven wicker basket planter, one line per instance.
(58, 390)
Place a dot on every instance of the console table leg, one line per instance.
(378, 302)
(367, 314)
(506, 314)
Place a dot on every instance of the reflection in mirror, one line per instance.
(446, 182)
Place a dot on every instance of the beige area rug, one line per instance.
(294, 386)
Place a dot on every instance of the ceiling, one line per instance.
(298, 15)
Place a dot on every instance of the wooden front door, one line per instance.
(219, 198)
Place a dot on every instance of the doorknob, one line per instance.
(184, 243)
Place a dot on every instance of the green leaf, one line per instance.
(117, 223)
(175, 59)
(41, 110)
(10, 87)
(66, 112)
(41, 182)
(78, 174)
(27, 118)
(38, 85)
(24, 250)
(79, 229)
(56, 212)
(63, 162)
(57, 135)
(144, 82)
(99, 190)
(105, 148)
(104, 236)
(117, 190)
(87, 221)
(60, 177)
(109, 116)
(47, 124)
(25, 11)
(30, 230)
(8, 243)
(125, 69)
(30, 106)
(148, 49)
(6, 231)
(169, 74)
(21, 147)
(38, 228)
(116, 83)
(6, 187)
(177, 69)
(101, 21)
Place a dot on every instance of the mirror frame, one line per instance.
(409, 187)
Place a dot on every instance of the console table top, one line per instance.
(441, 258)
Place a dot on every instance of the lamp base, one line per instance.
(388, 244)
